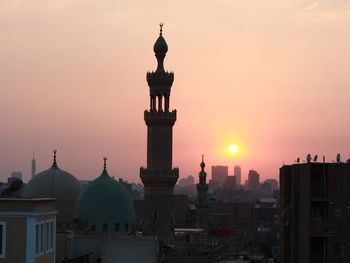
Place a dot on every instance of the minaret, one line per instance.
(33, 167)
(159, 178)
(202, 200)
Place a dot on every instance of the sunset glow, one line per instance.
(271, 76)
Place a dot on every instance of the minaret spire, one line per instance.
(33, 166)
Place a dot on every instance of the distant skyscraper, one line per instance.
(202, 200)
(33, 166)
(159, 178)
(253, 180)
(219, 173)
(237, 171)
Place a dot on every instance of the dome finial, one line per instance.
(161, 29)
(54, 164)
(104, 163)
(202, 163)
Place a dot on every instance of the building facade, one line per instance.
(219, 174)
(315, 213)
(253, 180)
(237, 171)
(27, 230)
(159, 178)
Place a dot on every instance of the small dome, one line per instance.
(160, 47)
(59, 184)
(106, 206)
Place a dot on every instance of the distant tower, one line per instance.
(33, 167)
(202, 201)
(159, 178)
(237, 171)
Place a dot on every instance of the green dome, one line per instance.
(106, 206)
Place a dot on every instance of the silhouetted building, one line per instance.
(159, 177)
(273, 183)
(315, 213)
(202, 197)
(219, 173)
(230, 183)
(237, 171)
(189, 180)
(253, 180)
(266, 189)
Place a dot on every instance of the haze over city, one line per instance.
(271, 77)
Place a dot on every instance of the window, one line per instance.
(47, 236)
(52, 235)
(126, 226)
(104, 227)
(41, 237)
(116, 227)
(2, 239)
(37, 239)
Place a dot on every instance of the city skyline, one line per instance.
(275, 83)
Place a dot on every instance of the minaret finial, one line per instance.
(161, 29)
(54, 164)
(104, 163)
(202, 163)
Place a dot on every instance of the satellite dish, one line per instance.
(298, 160)
(338, 158)
(308, 158)
(315, 158)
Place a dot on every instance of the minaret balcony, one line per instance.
(152, 172)
(160, 117)
(159, 177)
(160, 78)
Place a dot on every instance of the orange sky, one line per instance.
(271, 76)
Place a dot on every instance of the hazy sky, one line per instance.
(271, 76)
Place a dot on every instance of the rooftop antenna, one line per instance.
(338, 158)
(308, 158)
(315, 158)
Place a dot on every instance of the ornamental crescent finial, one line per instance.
(161, 29)
(104, 162)
(54, 164)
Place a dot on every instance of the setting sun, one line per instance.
(233, 148)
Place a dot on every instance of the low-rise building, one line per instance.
(27, 230)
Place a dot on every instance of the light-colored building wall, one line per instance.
(15, 239)
(19, 219)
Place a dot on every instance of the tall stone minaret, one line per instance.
(159, 178)
(202, 200)
(33, 167)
